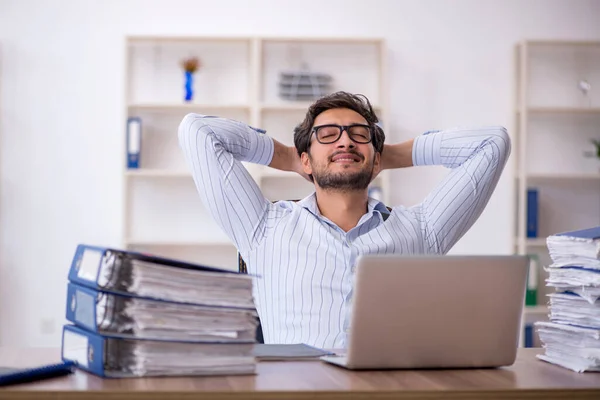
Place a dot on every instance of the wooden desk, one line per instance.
(527, 378)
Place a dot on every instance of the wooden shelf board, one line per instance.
(322, 40)
(563, 110)
(576, 176)
(175, 243)
(293, 106)
(536, 242)
(536, 310)
(541, 42)
(157, 173)
(186, 106)
(166, 39)
(532, 242)
(275, 173)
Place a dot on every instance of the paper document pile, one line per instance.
(135, 314)
(572, 337)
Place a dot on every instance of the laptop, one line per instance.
(435, 312)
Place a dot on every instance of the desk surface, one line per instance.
(527, 378)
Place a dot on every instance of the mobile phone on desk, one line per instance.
(11, 375)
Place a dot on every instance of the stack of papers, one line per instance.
(572, 347)
(572, 337)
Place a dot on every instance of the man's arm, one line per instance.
(286, 159)
(476, 158)
(397, 155)
(214, 149)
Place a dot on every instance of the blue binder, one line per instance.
(84, 348)
(89, 261)
(82, 310)
(96, 353)
(532, 213)
(529, 335)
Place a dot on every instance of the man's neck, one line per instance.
(342, 208)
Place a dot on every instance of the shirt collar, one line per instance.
(310, 203)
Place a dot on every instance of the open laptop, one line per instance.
(435, 312)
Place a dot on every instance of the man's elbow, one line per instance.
(501, 141)
(189, 126)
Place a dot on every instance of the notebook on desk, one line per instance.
(11, 376)
(435, 312)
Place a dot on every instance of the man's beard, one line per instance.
(344, 182)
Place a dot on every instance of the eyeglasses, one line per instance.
(331, 133)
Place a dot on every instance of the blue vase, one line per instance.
(189, 80)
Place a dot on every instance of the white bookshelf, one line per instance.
(162, 211)
(555, 123)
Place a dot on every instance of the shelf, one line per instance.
(276, 173)
(569, 43)
(536, 242)
(563, 110)
(293, 106)
(169, 39)
(322, 40)
(532, 242)
(575, 176)
(536, 310)
(171, 243)
(172, 107)
(157, 173)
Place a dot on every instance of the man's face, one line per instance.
(344, 165)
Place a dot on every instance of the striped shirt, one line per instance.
(304, 262)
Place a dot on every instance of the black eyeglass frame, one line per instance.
(343, 128)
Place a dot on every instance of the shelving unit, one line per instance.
(555, 122)
(238, 77)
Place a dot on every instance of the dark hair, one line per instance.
(355, 102)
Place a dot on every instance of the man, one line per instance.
(304, 252)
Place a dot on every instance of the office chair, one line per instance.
(243, 269)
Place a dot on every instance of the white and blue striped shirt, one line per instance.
(305, 262)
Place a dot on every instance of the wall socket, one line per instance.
(47, 326)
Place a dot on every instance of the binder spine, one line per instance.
(81, 306)
(86, 265)
(84, 348)
(532, 213)
(528, 332)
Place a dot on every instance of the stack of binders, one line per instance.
(136, 315)
(572, 337)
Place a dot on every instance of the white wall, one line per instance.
(62, 111)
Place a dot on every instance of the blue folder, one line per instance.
(10, 376)
(88, 262)
(95, 353)
(82, 310)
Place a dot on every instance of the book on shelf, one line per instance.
(532, 213)
(531, 293)
(134, 142)
(132, 315)
(571, 338)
